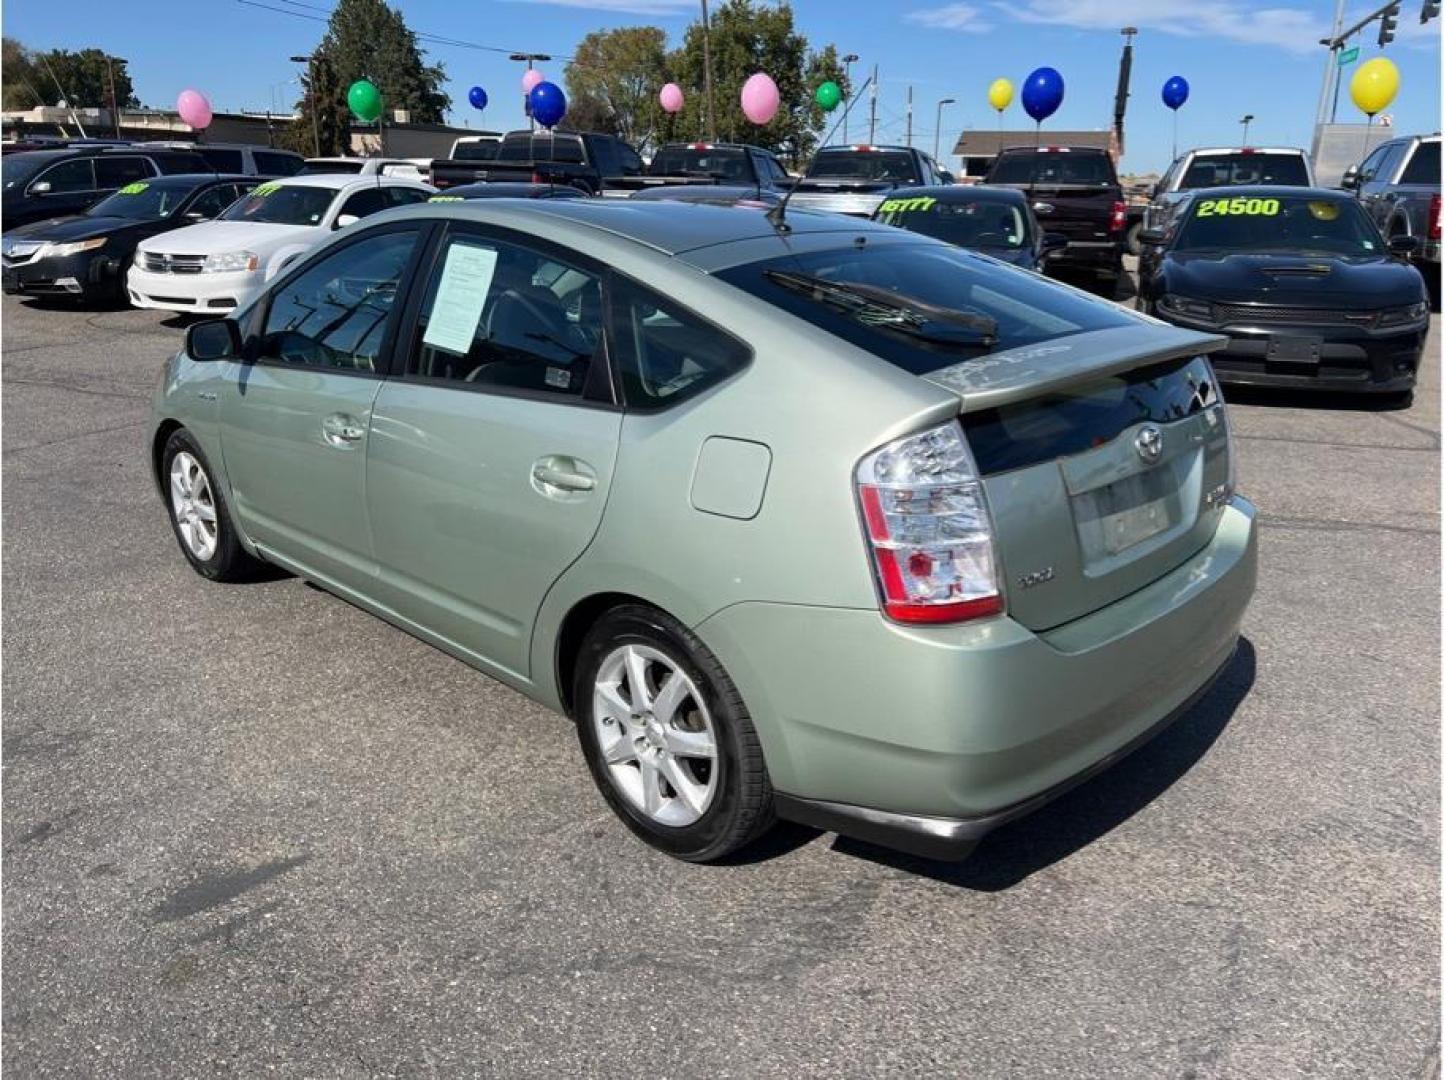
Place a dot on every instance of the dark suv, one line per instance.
(42, 184)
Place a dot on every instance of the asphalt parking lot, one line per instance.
(251, 828)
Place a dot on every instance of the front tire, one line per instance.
(199, 515)
(667, 737)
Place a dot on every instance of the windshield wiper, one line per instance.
(887, 310)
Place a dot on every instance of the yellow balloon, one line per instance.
(1374, 85)
(1000, 94)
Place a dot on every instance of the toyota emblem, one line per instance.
(1149, 443)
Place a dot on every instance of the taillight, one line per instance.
(1434, 218)
(537, 178)
(1119, 218)
(929, 529)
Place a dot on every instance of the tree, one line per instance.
(85, 77)
(613, 80)
(746, 39)
(366, 39)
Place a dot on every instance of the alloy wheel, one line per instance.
(193, 505)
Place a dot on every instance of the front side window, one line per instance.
(665, 354)
(366, 201)
(921, 305)
(268, 164)
(221, 159)
(212, 201)
(501, 315)
(282, 204)
(114, 172)
(1302, 224)
(334, 314)
(403, 196)
(73, 175)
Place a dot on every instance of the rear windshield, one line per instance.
(865, 165)
(476, 151)
(1230, 170)
(975, 223)
(565, 148)
(1024, 307)
(329, 168)
(1423, 167)
(726, 165)
(1292, 223)
(221, 159)
(1053, 167)
(282, 204)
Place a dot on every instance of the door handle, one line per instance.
(340, 429)
(563, 474)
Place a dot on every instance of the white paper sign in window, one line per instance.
(456, 311)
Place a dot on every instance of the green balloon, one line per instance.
(365, 100)
(828, 95)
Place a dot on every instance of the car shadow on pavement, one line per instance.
(1092, 810)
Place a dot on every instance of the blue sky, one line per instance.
(1237, 57)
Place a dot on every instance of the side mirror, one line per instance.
(195, 215)
(40, 187)
(1350, 179)
(1152, 237)
(1054, 241)
(346, 219)
(1404, 245)
(214, 339)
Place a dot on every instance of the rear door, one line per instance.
(491, 455)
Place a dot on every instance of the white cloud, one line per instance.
(951, 17)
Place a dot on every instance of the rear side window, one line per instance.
(1054, 167)
(1423, 167)
(268, 164)
(664, 353)
(402, 196)
(477, 151)
(114, 172)
(222, 160)
(1228, 170)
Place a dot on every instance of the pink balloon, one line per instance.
(671, 98)
(194, 109)
(760, 98)
(530, 79)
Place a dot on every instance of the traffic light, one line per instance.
(1430, 10)
(1388, 23)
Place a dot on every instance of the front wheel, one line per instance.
(199, 515)
(667, 737)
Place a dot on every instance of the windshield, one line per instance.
(1231, 170)
(18, 168)
(476, 151)
(1278, 223)
(282, 204)
(729, 165)
(142, 202)
(864, 165)
(982, 306)
(974, 223)
(1053, 167)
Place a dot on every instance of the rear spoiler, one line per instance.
(1050, 367)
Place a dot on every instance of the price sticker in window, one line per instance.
(1239, 207)
(908, 206)
(266, 189)
(132, 189)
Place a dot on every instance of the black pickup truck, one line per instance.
(683, 164)
(1073, 190)
(856, 179)
(583, 159)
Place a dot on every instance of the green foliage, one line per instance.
(613, 80)
(30, 78)
(366, 39)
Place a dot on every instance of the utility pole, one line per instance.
(847, 62)
(530, 58)
(910, 116)
(1125, 75)
(707, 72)
(1246, 121)
(872, 111)
(310, 62)
(938, 125)
(114, 108)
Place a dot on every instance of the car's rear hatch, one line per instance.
(1072, 191)
(1105, 459)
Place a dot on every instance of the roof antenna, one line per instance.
(777, 215)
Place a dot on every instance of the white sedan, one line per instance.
(221, 265)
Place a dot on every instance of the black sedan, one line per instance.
(993, 221)
(1308, 291)
(509, 190)
(85, 256)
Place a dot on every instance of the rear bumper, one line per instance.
(928, 738)
(213, 294)
(854, 204)
(1105, 256)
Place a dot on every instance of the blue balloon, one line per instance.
(548, 104)
(1175, 92)
(477, 96)
(1042, 93)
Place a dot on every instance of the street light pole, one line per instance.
(1246, 121)
(310, 61)
(872, 109)
(938, 125)
(707, 72)
(847, 62)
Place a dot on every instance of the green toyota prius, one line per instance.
(800, 517)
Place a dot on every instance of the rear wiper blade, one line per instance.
(885, 309)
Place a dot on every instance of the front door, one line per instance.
(295, 420)
(489, 461)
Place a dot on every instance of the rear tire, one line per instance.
(199, 516)
(668, 738)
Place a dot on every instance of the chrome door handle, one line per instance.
(340, 429)
(552, 473)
